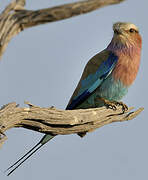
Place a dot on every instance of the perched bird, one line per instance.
(106, 77)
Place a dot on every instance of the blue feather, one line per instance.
(93, 81)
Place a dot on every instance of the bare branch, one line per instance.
(60, 122)
(15, 18)
(14, 5)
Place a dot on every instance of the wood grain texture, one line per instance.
(60, 122)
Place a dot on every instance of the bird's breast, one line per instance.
(111, 89)
(126, 69)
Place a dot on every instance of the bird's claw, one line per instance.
(124, 106)
(109, 104)
(113, 105)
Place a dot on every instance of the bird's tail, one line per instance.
(18, 163)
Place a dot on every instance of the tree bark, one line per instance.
(15, 18)
(59, 122)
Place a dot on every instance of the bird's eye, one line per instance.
(132, 30)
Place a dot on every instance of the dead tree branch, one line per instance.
(15, 18)
(59, 122)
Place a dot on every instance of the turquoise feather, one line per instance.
(92, 82)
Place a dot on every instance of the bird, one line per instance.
(105, 79)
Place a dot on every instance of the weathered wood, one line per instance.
(15, 18)
(54, 121)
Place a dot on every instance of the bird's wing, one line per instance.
(95, 71)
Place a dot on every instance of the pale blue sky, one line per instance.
(43, 65)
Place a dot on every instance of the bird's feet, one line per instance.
(113, 104)
(109, 104)
(124, 106)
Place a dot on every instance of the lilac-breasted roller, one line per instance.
(106, 77)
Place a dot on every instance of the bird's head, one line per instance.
(126, 34)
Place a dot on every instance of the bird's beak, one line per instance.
(117, 32)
